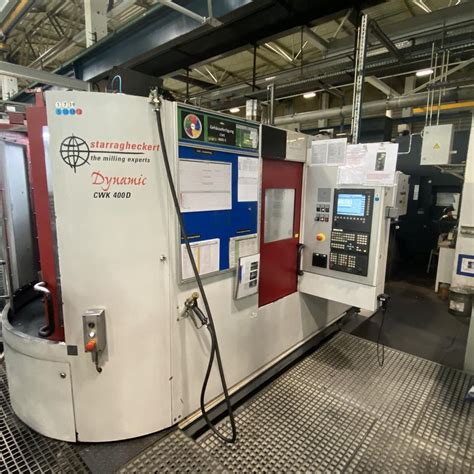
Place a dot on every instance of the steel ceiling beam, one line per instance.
(279, 50)
(381, 86)
(384, 39)
(421, 30)
(351, 15)
(448, 73)
(264, 58)
(193, 81)
(315, 39)
(183, 10)
(42, 77)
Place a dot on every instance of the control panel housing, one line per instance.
(345, 229)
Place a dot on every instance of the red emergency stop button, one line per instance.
(91, 345)
(320, 237)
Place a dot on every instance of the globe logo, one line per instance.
(74, 152)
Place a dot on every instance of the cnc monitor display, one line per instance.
(350, 204)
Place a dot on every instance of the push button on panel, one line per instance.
(91, 345)
(320, 237)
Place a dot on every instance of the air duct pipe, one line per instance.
(374, 107)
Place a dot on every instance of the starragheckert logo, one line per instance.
(74, 152)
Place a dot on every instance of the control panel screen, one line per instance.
(351, 204)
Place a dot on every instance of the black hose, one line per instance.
(381, 358)
(215, 352)
(383, 300)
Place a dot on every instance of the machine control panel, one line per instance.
(350, 241)
(345, 237)
(350, 234)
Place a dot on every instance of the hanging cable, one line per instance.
(383, 300)
(206, 319)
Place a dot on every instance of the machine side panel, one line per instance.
(50, 411)
(111, 199)
(251, 339)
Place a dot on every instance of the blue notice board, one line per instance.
(239, 221)
(242, 218)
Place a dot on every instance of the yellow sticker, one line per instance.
(436, 146)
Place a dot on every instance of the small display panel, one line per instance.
(246, 137)
(351, 205)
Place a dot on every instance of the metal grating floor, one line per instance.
(337, 410)
(174, 453)
(22, 450)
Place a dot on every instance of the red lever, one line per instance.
(91, 345)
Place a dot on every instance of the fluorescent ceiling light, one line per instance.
(309, 95)
(421, 4)
(276, 49)
(424, 72)
(234, 110)
(270, 78)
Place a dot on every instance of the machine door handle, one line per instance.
(299, 251)
(48, 329)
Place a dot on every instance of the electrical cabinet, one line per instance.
(397, 200)
(437, 144)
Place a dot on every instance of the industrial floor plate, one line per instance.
(174, 453)
(337, 410)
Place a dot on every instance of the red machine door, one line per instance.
(280, 228)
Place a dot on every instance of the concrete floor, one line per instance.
(418, 322)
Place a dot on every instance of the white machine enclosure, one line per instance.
(322, 265)
(118, 250)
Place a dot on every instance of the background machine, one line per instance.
(122, 358)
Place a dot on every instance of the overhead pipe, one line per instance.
(13, 17)
(373, 107)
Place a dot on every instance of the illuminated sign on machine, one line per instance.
(216, 130)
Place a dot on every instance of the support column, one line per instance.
(323, 123)
(359, 73)
(95, 12)
(9, 87)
